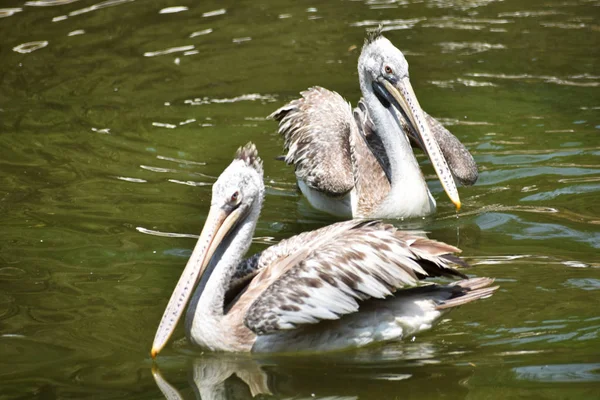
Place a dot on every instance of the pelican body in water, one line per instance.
(361, 164)
(332, 288)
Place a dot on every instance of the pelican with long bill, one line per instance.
(345, 285)
(360, 163)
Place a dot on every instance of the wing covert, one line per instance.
(316, 128)
(371, 260)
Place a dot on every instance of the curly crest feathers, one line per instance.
(374, 34)
(249, 154)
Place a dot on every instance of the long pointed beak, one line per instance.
(403, 93)
(218, 223)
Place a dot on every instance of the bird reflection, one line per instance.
(364, 374)
(219, 377)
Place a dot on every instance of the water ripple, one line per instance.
(475, 24)
(180, 161)
(563, 25)
(502, 175)
(132, 180)
(559, 373)
(241, 39)
(158, 169)
(449, 84)
(578, 189)
(469, 47)
(47, 3)
(99, 6)
(460, 5)
(454, 121)
(164, 125)
(214, 13)
(245, 97)
(549, 79)
(545, 332)
(525, 14)
(170, 50)
(576, 264)
(31, 46)
(583, 283)
(201, 33)
(165, 234)
(173, 10)
(7, 12)
(190, 183)
(390, 24)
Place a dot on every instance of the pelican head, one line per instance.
(383, 72)
(241, 185)
(236, 197)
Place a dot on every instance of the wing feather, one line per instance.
(248, 268)
(358, 262)
(316, 128)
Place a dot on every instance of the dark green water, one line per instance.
(112, 133)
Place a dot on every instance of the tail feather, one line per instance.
(468, 290)
(456, 260)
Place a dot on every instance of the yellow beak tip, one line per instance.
(457, 204)
(153, 353)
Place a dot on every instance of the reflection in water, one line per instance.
(241, 376)
(216, 377)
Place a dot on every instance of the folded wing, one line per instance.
(325, 281)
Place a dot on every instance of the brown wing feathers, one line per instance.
(315, 128)
(358, 262)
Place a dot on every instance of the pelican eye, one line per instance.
(235, 197)
(388, 69)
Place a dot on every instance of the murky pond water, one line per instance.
(116, 117)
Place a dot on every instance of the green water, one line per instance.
(112, 133)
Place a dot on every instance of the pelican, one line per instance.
(332, 288)
(361, 164)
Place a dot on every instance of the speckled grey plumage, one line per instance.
(323, 138)
(317, 139)
(292, 293)
(347, 263)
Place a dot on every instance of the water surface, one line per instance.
(116, 117)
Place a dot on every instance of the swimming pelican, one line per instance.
(331, 288)
(361, 165)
